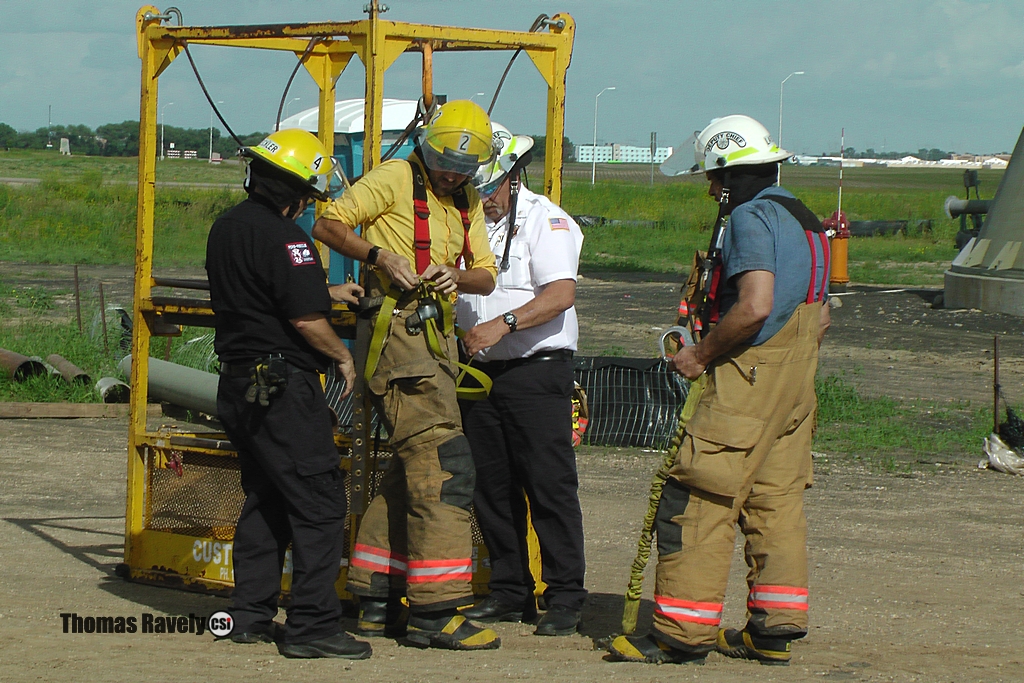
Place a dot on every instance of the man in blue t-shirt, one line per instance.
(746, 455)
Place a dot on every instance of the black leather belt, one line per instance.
(248, 369)
(496, 366)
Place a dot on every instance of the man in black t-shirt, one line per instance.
(270, 301)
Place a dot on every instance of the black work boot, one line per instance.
(773, 651)
(492, 609)
(340, 645)
(559, 620)
(382, 618)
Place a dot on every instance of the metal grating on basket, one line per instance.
(204, 501)
(632, 401)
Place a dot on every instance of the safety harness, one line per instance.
(421, 220)
(434, 315)
(814, 232)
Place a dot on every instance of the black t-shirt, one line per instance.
(264, 271)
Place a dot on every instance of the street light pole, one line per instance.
(781, 86)
(294, 99)
(211, 130)
(162, 110)
(593, 150)
(479, 94)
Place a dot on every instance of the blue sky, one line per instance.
(897, 74)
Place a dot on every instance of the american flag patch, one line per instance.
(559, 224)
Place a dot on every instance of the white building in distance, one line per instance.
(624, 154)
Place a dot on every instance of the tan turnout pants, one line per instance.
(746, 458)
(415, 537)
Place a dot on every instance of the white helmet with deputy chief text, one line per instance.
(735, 140)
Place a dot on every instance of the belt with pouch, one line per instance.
(246, 369)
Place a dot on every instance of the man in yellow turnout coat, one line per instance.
(421, 220)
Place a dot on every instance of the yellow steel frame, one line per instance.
(163, 557)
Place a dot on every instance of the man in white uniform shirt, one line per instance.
(523, 336)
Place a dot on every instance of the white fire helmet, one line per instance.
(509, 149)
(735, 140)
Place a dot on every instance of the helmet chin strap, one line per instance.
(510, 227)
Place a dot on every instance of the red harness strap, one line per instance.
(421, 220)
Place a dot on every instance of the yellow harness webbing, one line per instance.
(432, 334)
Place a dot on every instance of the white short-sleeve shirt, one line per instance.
(545, 247)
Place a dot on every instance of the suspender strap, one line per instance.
(812, 226)
(461, 202)
(421, 219)
(814, 266)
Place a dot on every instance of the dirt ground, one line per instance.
(914, 577)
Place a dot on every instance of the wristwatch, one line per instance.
(511, 320)
(371, 256)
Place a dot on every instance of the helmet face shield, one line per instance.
(681, 160)
(449, 161)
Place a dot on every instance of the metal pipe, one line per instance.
(428, 74)
(113, 390)
(19, 367)
(956, 207)
(180, 385)
(995, 385)
(68, 370)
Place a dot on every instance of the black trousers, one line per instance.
(520, 436)
(294, 493)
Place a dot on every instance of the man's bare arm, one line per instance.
(315, 329)
(343, 239)
(743, 321)
(556, 297)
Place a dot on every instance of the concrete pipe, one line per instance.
(180, 385)
(71, 373)
(19, 367)
(113, 390)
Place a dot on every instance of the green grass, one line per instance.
(45, 164)
(683, 214)
(83, 221)
(893, 435)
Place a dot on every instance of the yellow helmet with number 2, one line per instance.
(457, 138)
(298, 153)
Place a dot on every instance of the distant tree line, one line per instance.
(932, 154)
(121, 139)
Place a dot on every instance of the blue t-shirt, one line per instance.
(761, 235)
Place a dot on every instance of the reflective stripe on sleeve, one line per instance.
(709, 613)
(378, 560)
(436, 571)
(777, 597)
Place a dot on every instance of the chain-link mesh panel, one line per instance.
(632, 401)
(197, 353)
(204, 500)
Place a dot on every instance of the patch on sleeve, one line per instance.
(300, 253)
(559, 224)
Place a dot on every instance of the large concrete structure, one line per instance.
(988, 273)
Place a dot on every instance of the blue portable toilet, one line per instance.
(348, 149)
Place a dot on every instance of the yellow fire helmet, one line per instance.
(299, 153)
(457, 138)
